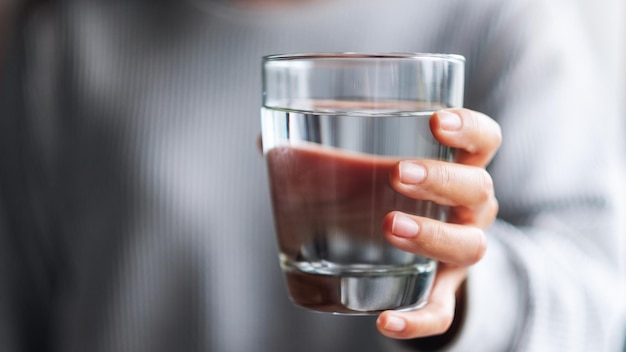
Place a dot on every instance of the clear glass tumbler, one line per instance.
(333, 125)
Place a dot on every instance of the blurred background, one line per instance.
(605, 20)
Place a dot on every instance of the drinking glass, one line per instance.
(333, 126)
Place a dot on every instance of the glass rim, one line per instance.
(363, 55)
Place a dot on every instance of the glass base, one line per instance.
(362, 294)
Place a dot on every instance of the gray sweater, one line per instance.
(134, 210)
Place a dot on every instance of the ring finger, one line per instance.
(449, 243)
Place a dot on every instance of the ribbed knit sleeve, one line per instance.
(560, 186)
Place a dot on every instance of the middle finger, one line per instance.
(443, 183)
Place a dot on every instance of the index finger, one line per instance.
(476, 136)
(435, 317)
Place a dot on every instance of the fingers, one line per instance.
(435, 318)
(467, 187)
(464, 186)
(448, 243)
(476, 135)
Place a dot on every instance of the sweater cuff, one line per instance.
(495, 296)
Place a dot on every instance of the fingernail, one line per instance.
(448, 120)
(411, 173)
(395, 324)
(403, 226)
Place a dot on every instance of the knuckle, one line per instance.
(484, 127)
(497, 136)
(472, 119)
(444, 322)
(437, 237)
(494, 205)
(445, 176)
(474, 127)
(488, 214)
(475, 244)
(484, 186)
(481, 246)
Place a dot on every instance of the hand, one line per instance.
(467, 188)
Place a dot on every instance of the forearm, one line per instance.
(570, 295)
